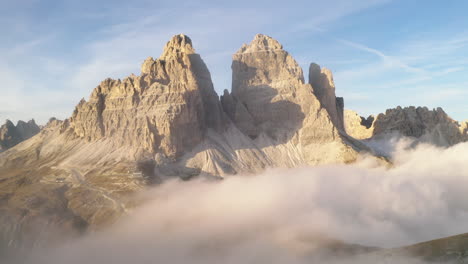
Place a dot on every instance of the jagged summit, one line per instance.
(167, 109)
(270, 102)
(261, 43)
(420, 123)
(169, 122)
(316, 73)
(172, 109)
(11, 135)
(178, 43)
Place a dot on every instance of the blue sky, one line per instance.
(383, 53)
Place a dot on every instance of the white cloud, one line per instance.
(282, 215)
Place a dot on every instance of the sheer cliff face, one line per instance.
(286, 117)
(269, 96)
(322, 82)
(11, 135)
(167, 109)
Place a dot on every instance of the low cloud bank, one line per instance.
(289, 215)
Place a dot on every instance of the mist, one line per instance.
(289, 215)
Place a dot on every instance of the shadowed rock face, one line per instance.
(270, 99)
(11, 135)
(322, 82)
(167, 109)
(269, 94)
(265, 83)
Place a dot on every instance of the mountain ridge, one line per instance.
(11, 135)
(169, 122)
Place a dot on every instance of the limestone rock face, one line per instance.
(322, 82)
(357, 126)
(269, 92)
(167, 109)
(464, 129)
(429, 125)
(11, 135)
(270, 98)
(27, 129)
(265, 83)
(169, 122)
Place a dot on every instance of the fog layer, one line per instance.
(285, 215)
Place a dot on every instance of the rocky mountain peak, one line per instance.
(319, 74)
(421, 123)
(165, 110)
(9, 124)
(11, 135)
(270, 102)
(27, 129)
(147, 65)
(178, 44)
(261, 43)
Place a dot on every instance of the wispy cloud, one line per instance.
(434, 63)
(115, 42)
(326, 13)
(389, 61)
(116, 48)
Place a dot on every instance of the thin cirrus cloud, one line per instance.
(437, 65)
(82, 48)
(116, 49)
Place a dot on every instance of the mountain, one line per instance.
(433, 126)
(81, 173)
(78, 174)
(11, 135)
(171, 114)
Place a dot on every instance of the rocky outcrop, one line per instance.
(11, 135)
(169, 122)
(433, 126)
(357, 126)
(266, 85)
(464, 129)
(323, 85)
(271, 117)
(271, 103)
(165, 110)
